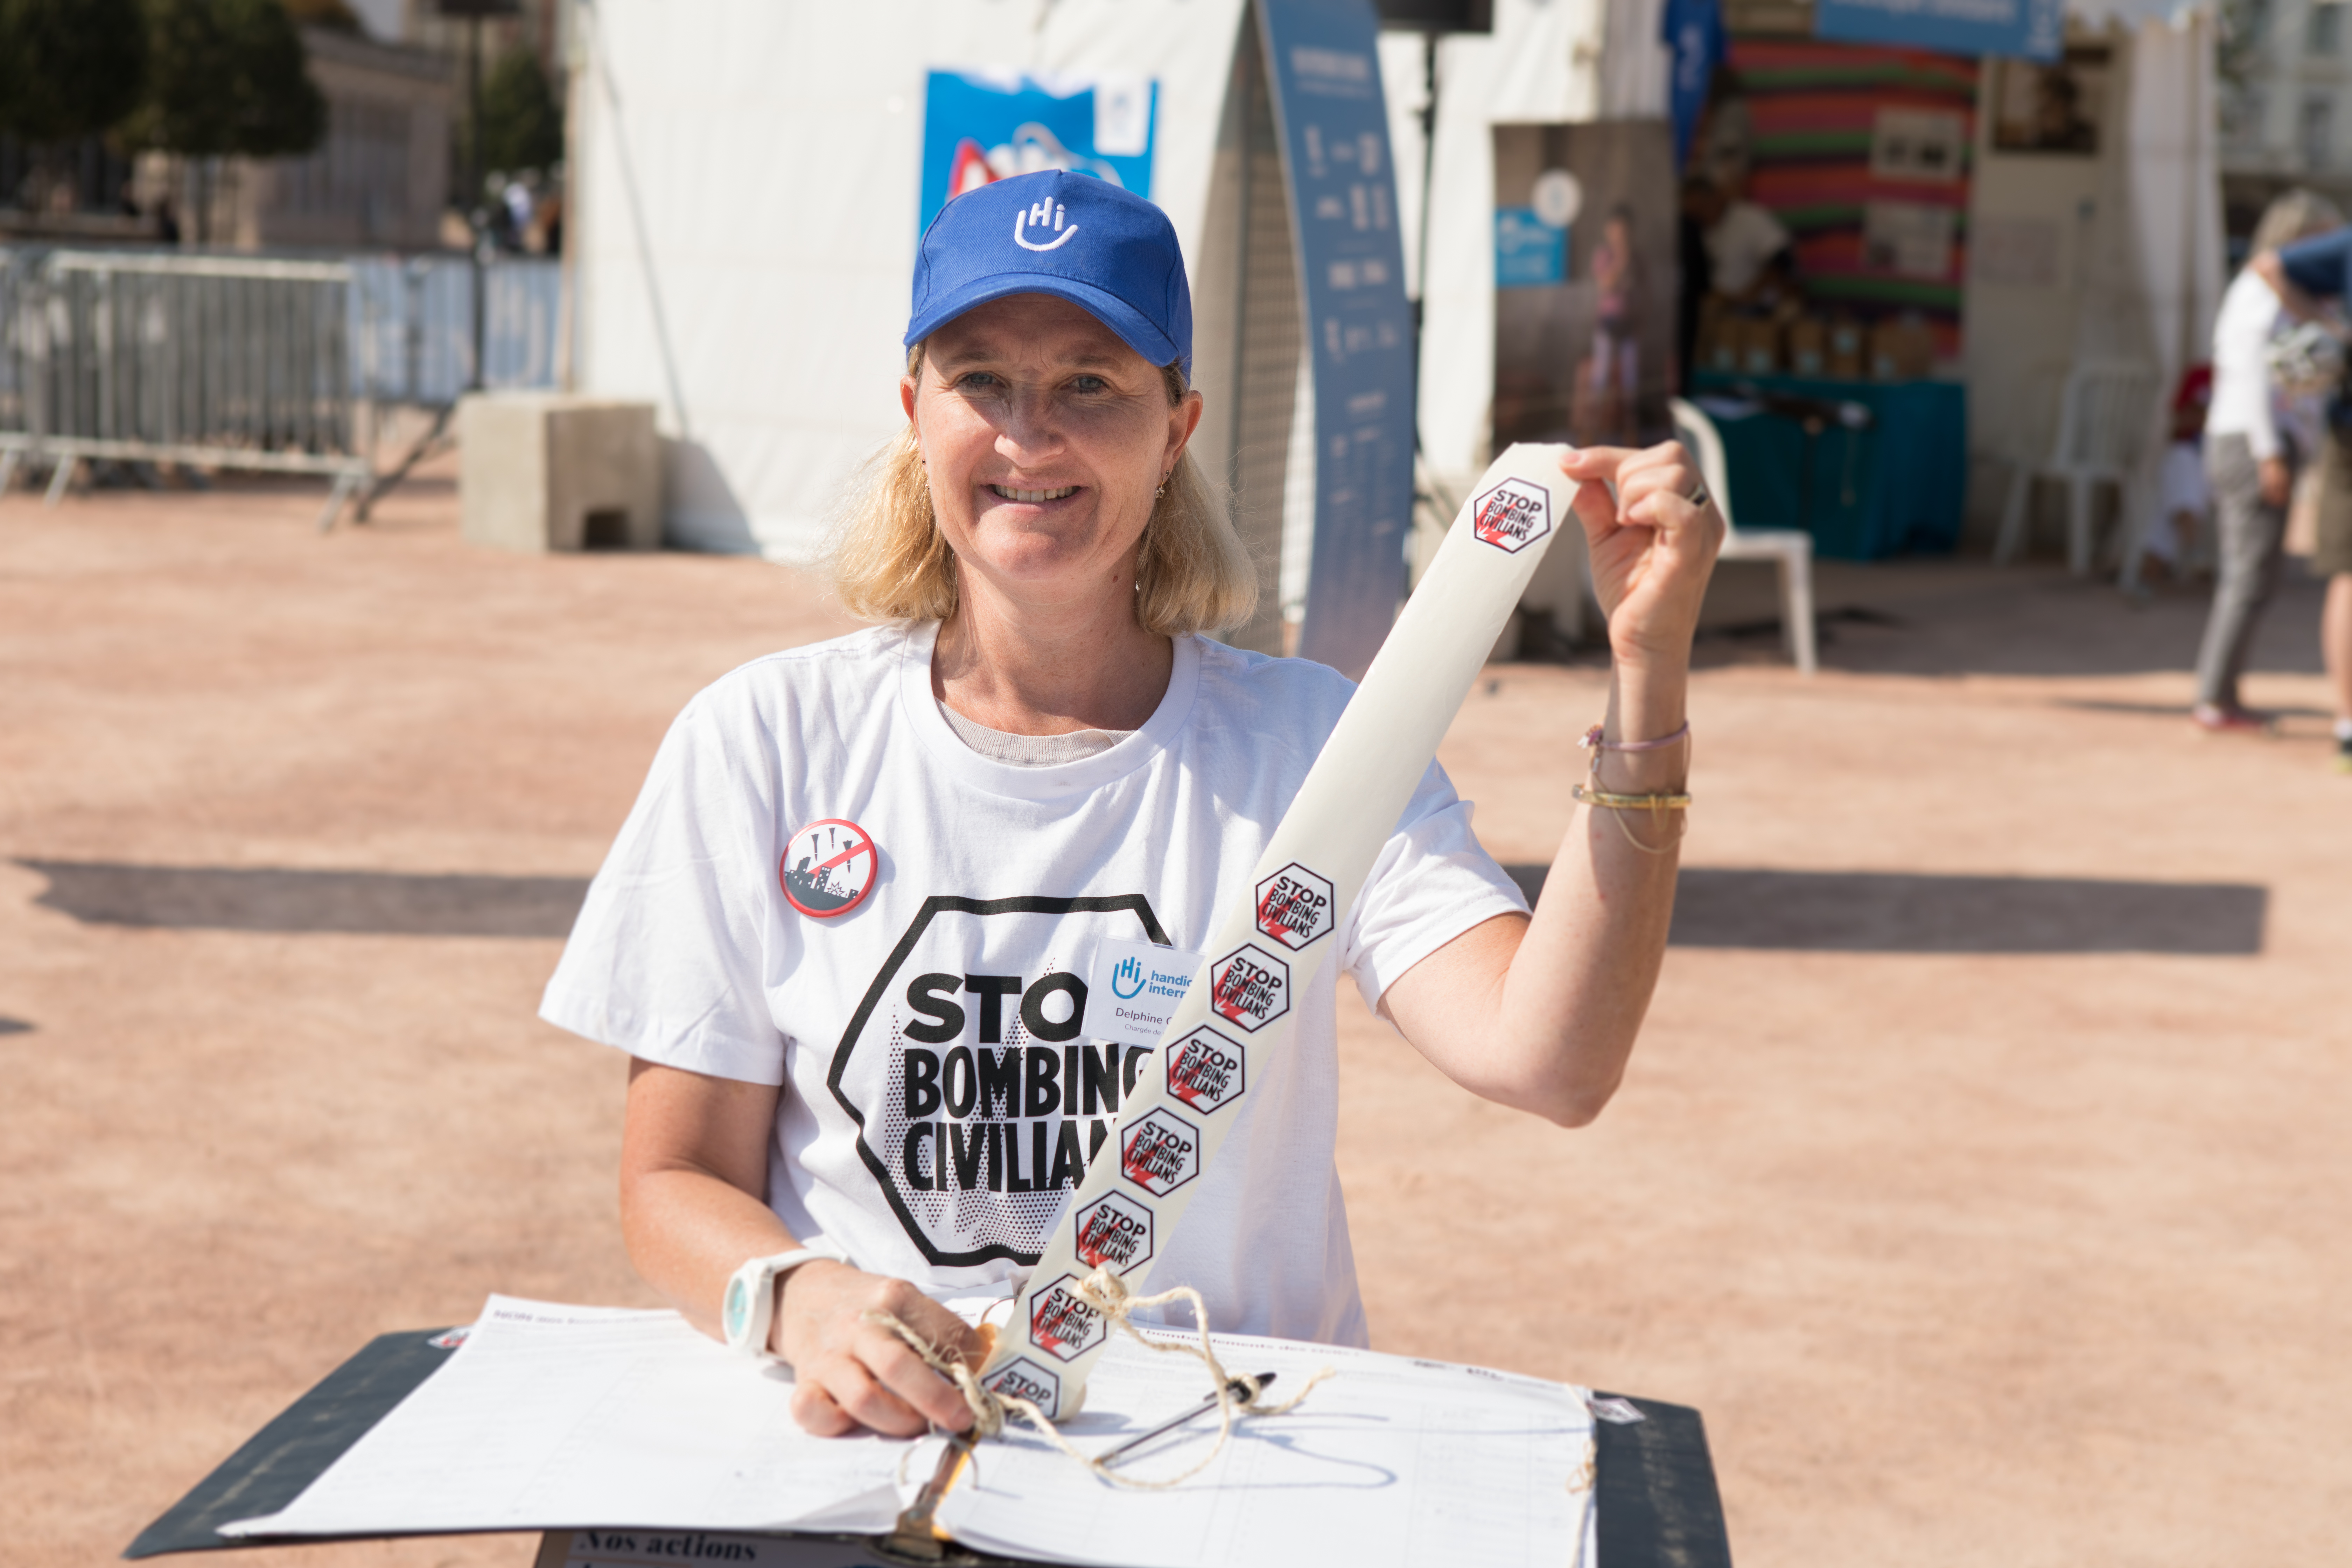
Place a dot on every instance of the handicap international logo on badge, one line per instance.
(828, 867)
(1134, 988)
(1512, 516)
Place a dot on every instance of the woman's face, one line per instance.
(1044, 436)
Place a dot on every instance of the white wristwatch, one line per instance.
(750, 1309)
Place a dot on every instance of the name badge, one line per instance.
(1134, 988)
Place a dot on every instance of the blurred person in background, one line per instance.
(1751, 258)
(2184, 499)
(1616, 359)
(2251, 453)
(2311, 277)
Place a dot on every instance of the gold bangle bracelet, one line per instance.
(1604, 799)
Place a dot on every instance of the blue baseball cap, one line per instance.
(1110, 253)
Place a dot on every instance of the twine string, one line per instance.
(1107, 1294)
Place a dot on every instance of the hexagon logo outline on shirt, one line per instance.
(877, 1165)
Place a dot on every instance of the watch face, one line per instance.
(738, 1309)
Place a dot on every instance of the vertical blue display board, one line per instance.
(2034, 29)
(1323, 73)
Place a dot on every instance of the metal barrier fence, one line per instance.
(413, 326)
(255, 362)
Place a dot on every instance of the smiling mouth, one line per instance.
(1007, 493)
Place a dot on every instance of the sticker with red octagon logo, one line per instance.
(1512, 516)
(1294, 906)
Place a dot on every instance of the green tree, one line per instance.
(522, 125)
(227, 78)
(332, 15)
(68, 68)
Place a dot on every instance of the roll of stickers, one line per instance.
(1269, 947)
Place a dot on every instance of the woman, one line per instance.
(1616, 345)
(2251, 457)
(2312, 279)
(890, 1070)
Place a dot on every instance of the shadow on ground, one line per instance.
(1887, 911)
(1817, 911)
(1941, 617)
(214, 898)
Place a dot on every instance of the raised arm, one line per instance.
(694, 1173)
(1541, 1013)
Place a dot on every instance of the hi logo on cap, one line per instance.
(1042, 214)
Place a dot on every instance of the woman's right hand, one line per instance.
(852, 1374)
(2275, 481)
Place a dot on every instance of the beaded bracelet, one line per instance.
(1595, 740)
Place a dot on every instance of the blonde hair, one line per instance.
(2297, 214)
(892, 563)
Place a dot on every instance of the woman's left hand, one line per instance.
(1653, 547)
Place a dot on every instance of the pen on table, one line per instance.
(1238, 1389)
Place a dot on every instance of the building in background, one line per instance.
(2286, 120)
(380, 178)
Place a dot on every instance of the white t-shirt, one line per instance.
(940, 1099)
(2246, 402)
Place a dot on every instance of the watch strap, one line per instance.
(748, 1307)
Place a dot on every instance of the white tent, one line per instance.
(2132, 267)
(746, 202)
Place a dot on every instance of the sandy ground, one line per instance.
(1980, 1173)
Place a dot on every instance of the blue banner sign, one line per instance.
(1528, 252)
(2034, 29)
(979, 126)
(1325, 77)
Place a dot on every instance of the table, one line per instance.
(1898, 487)
(1655, 1482)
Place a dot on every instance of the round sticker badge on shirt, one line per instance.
(828, 867)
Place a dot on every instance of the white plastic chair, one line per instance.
(1791, 547)
(2103, 416)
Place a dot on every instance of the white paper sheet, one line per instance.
(566, 1418)
(1390, 1461)
(550, 1416)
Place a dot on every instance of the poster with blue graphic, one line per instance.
(1528, 252)
(2033, 29)
(981, 126)
(1325, 81)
